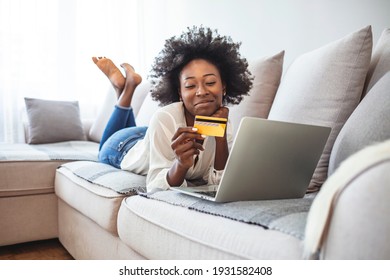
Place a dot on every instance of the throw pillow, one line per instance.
(380, 61)
(369, 123)
(53, 121)
(98, 126)
(267, 73)
(323, 87)
(148, 107)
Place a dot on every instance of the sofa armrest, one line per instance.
(349, 217)
(360, 226)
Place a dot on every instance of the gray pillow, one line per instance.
(53, 121)
(323, 87)
(380, 61)
(369, 123)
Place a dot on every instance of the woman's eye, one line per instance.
(210, 83)
(189, 87)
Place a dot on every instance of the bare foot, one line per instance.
(112, 72)
(133, 79)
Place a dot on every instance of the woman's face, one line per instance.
(201, 88)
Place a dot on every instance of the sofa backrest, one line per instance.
(370, 121)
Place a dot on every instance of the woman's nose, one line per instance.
(201, 90)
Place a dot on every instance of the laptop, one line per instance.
(268, 160)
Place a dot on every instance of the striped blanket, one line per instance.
(286, 215)
(105, 175)
(70, 150)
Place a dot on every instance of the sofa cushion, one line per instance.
(97, 128)
(267, 72)
(369, 123)
(380, 62)
(323, 87)
(53, 121)
(29, 169)
(98, 203)
(148, 107)
(22, 178)
(284, 215)
(63, 151)
(158, 230)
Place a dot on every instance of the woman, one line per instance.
(197, 73)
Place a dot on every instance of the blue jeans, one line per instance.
(119, 136)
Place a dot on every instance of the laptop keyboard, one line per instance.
(209, 193)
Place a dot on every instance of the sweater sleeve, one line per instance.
(162, 128)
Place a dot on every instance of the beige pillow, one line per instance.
(267, 72)
(380, 61)
(323, 87)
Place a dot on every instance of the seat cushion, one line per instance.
(20, 178)
(97, 203)
(158, 230)
(92, 198)
(30, 169)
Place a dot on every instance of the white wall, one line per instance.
(263, 26)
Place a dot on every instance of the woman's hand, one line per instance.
(222, 112)
(221, 145)
(185, 145)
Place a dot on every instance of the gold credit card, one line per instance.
(210, 126)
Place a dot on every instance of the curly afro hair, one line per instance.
(200, 43)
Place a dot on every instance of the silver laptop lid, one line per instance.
(271, 160)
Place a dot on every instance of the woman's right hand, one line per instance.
(185, 146)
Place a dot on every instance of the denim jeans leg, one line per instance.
(117, 146)
(120, 118)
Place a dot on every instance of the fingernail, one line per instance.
(194, 129)
(204, 136)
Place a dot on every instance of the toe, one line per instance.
(127, 66)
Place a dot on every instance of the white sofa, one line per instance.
(96, 213)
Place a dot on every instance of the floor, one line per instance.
(38, 250)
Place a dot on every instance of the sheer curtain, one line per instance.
(46, 48)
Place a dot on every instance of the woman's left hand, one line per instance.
(222, 112)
